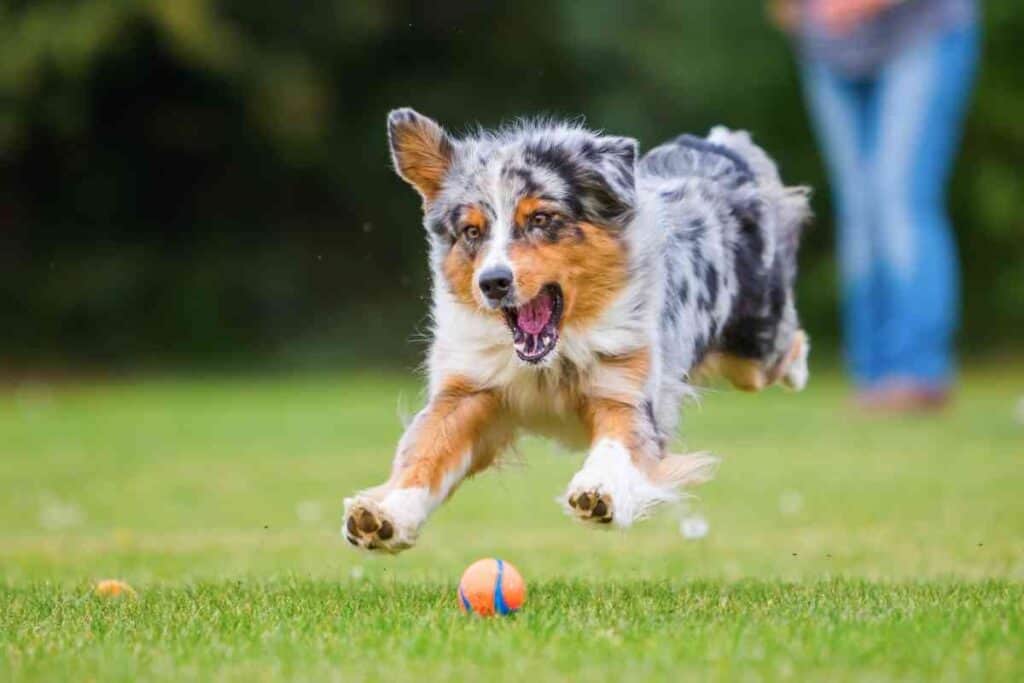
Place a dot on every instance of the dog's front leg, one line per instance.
(456, 435)
(619, 481)
(627, 472)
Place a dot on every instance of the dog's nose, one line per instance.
(496, 283)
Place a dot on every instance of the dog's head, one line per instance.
(526, 223)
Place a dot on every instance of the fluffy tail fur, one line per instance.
(688, 470)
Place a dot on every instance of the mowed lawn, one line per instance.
(839, 547)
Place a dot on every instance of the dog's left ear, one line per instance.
(609, 181)
(421, 150)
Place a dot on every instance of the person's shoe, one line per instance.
(903, 396)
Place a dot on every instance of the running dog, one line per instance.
(578, 292)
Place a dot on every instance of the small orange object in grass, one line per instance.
(112, 588)
(489, 587)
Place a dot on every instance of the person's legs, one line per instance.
(842, 115)
(922, 98)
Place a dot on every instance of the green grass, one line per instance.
(841, 547)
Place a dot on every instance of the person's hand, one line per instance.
(839, 17)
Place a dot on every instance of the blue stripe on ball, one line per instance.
(499, 598)
(465, 601)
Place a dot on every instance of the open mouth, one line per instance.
(534, 325)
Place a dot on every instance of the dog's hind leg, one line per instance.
(755, 374)
(792, 370)
(458, 434)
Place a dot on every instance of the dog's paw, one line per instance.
(591, 506)
(795, 370)
(368, 527)
(610, 488)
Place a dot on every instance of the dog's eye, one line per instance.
(471, 232)
(540, 219)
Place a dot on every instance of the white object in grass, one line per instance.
(309, 511)
(791, 503)
(694, 527)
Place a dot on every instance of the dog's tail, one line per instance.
(692, 469)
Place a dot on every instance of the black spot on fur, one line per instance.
(530, 184)
(454, 215)
(711, 282)
(649, 412)
(653, 421)
(669, 316)
(438, 227)
(586, 180)
(747, 338)
(707, 292)
(588, 150)
(760, 300)
(558, 160)
(707, 147)
(700, 348)
(777, 297)
(558, 228)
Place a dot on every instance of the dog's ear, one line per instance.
(609, 181)
(420, 149)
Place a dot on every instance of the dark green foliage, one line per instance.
(187, 180)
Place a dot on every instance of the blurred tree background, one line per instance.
(206, 182)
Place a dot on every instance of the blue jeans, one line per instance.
(890, 140)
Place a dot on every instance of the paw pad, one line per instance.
(369, 529)
(592, 506)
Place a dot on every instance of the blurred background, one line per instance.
(205, 183)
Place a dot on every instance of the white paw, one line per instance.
(797, 373)
(610, 488)
(387, 524)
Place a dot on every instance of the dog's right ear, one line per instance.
(422, 152)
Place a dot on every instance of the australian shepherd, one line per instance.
(579, 292)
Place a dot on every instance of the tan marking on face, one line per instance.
(472, 215)
(458, 271)
(590, 270)
(460, 265)
(458, 423)
(528, 206)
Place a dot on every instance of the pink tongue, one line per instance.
(536, 314)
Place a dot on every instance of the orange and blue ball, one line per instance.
(491, 587)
